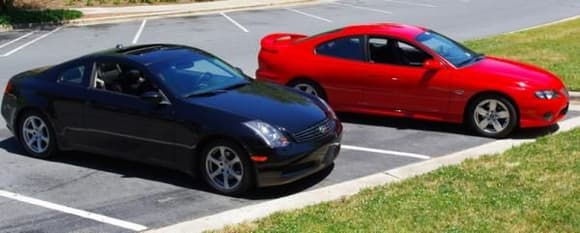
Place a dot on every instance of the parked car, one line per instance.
(409, 71)
(177, 107)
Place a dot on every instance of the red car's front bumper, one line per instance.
(540, 113)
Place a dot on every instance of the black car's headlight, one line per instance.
(547, 94)
(272, 136)
(328, 109)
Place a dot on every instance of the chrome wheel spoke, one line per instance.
(238, 177)
(214, 161)
(216, 173)
(235, 160)
(483, 123)
(481, 111)
(496, 125)
(492, 105)
(226, 181)
(38, 144)
(503, 115)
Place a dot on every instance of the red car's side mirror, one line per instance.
(432, 64)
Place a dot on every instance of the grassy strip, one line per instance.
(531, 188)
(555, 47)
(16, 16)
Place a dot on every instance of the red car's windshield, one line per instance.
(452, 51)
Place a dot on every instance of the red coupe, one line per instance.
(409, 71)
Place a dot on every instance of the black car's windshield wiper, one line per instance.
(205, 93)
(237, 85)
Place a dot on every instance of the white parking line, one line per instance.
(234, 22)
(31, 42)
(136, 38)
(17, 39)
(362, 8)
(309, 15)
(388, 152)
(77, 212)
(410, 3)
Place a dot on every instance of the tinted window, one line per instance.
(348, 48)
(196, 73)
(395, 52)
(447, 48)
(122, 78)
(74, 75)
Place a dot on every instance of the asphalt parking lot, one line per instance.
(153, 197)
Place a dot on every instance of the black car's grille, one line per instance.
(316, 132)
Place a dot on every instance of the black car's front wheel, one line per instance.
(226, 168)
(36, 135)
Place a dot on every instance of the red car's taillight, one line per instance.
(8, 89)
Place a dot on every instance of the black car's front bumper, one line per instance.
(298, 161)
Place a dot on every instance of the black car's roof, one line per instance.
(148, 53)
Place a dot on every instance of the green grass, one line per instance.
(531, 188)
(555, 47)
(17, 16)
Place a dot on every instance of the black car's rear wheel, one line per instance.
(226, 168)
(36, 135)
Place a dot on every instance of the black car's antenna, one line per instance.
(119, 46)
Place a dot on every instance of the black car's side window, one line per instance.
(73, 75)
(395, 52)
(348, 48)
(121, 78)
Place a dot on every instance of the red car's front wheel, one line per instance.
(492, 116)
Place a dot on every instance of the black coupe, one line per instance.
(174, 106)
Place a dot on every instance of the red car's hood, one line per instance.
(503, 70)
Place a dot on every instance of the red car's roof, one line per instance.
(400, 30)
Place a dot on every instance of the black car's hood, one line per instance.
(270, 103)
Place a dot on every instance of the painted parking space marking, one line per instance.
(73, 211)
(17, 39)
(309, 15)
(31, 42)
(410, 3)
(139, 31)
(234, 22)
(362, 8)
(388, 152)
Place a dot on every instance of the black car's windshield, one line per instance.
(197, 73)
(452, 51)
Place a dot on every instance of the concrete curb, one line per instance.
(348, 188)
(575, 96)
(224, 6)
(201, 8)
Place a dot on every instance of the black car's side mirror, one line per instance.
(153, 97)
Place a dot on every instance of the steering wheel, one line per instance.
(204, 78)
(443, 50)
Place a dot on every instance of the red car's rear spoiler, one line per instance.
(274, 41)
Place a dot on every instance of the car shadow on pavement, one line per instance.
(414, 124)
(131, 169)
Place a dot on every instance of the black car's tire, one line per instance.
(223, 161)
(492, 116)
(309, 87)
(36, 135)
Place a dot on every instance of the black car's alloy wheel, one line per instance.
(36, 135)
(226, 168)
